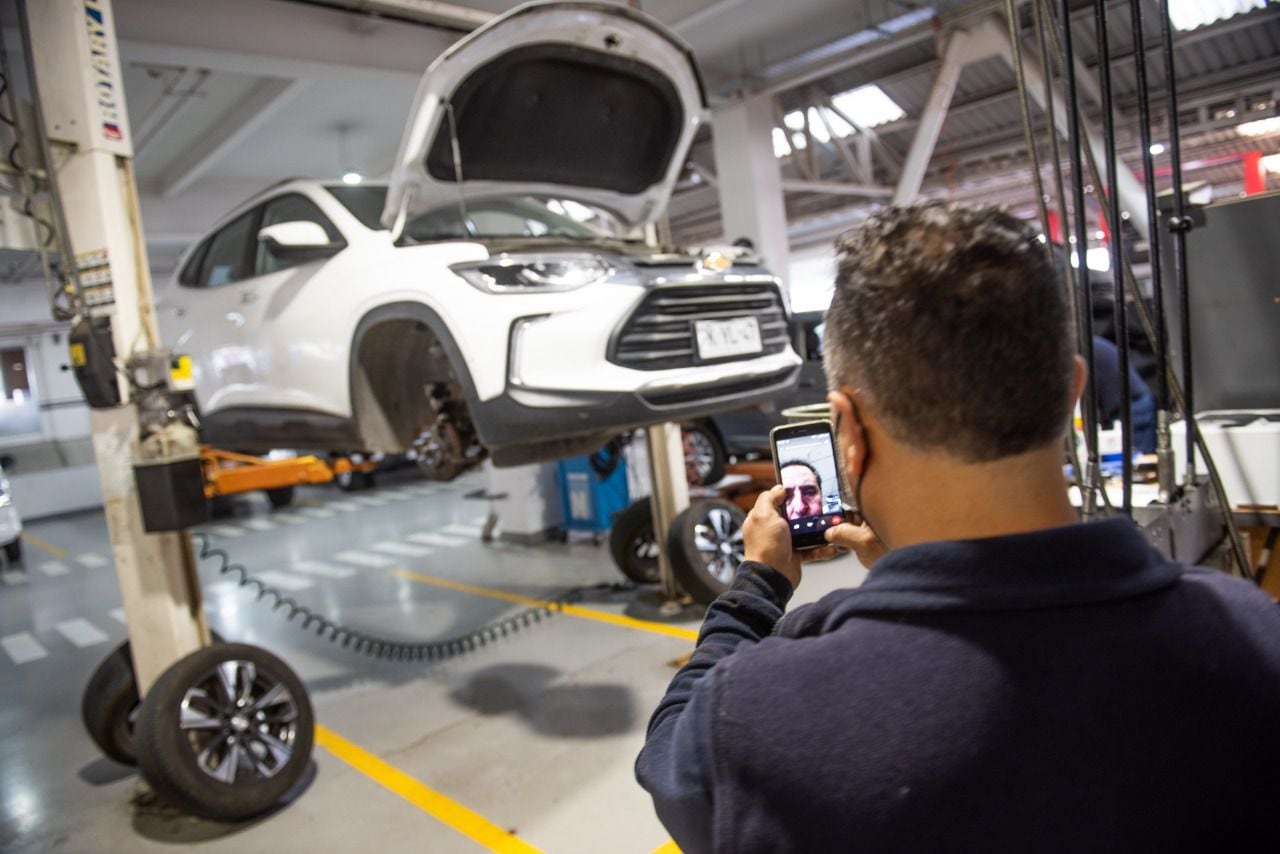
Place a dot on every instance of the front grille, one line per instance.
(659, 334)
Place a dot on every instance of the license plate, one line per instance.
(719, 339)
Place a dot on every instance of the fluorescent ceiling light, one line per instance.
(1157, 148)
(1260, 127)
(352, 178)
(1097, 259)
(780, 146)
(1190, 14)
(868, 105)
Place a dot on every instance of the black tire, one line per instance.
(13, 551)
(351, 481)
(169, 754)
(704, 454)
(110, 704)
(281, 497)
(221, 507)
(633, 544)
(703, 567)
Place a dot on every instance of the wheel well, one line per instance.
(395, 361)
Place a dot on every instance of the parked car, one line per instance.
(710, 442)
(10, 523)
(492, 299)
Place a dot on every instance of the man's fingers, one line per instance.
(850, 536)
(769, 501)
(823, 553)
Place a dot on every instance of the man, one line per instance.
(802, 490)
(1006, 679)
(1106, 385)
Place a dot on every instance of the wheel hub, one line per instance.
(240, 722)
(718, 538)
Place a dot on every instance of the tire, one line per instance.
(704, 454)
(202, 768)
(281, 497)
(633, 545)
(353, 481)
(13, 551)
(221, 507)
(705, 545)
(109, 707)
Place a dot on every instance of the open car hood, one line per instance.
(582, 100)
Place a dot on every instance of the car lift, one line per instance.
(200, 720)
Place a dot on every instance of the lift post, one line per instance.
(669, 496)
(78, 94)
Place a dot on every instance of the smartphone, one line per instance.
(804, 459)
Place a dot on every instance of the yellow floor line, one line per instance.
(449, 812)
(571, 610)
(49, 548)
(669, 847)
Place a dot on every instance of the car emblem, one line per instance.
(714, 262)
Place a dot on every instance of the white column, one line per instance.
(750, 180)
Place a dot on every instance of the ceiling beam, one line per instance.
(837, 188)
(232, 128)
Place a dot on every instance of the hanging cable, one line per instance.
(1179, 225)
(1239, 553)
(387, 649)
(1072, 455)
(1092, 471)
(1164, 453)
(1110, 196)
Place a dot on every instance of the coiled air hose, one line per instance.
(385, 648)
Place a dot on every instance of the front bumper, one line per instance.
(522, 416)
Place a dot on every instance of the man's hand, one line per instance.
(767, 536)
(860, 539)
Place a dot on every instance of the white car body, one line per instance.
(333, 350)
(10, 521)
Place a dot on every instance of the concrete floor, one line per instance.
(536, 733)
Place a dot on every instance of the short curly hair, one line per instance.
(952, 322)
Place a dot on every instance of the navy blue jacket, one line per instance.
(1064, 690)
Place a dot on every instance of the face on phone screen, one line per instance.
(807, 470)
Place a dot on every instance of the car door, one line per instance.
(282, 358)
(203, 315)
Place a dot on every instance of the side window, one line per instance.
(225, 259)
(290, 208)
(190, 275)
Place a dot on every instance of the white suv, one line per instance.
(10, 523)
(484, 300)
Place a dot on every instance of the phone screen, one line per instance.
(805, 457)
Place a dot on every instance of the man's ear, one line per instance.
(850, 433)
(1078, 381)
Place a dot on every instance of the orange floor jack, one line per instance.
(230, 473)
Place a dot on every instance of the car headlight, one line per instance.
(522, 274)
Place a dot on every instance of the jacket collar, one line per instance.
(1053, 568)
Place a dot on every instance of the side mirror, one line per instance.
(298, 241)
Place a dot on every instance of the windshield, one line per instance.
(511, 217)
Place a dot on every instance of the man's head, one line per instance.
(949, 335)
(804, 489)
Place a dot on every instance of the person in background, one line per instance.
(1106, 387)
(1006, 678)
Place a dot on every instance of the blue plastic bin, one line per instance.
(589, 500)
